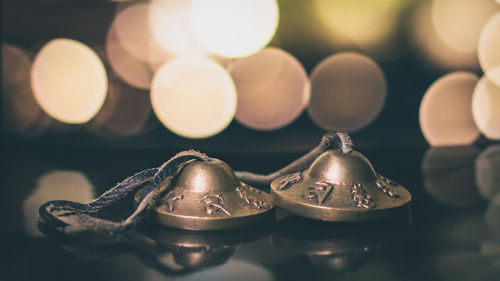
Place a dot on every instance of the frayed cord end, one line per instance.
(339, 140)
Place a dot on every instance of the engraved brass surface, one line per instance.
(207, 195)
(341, 187)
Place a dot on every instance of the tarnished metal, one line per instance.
(340, 186)
(207, 195)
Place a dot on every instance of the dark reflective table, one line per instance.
(453, 232)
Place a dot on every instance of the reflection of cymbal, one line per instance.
(343, 261)
(312, 237)
(196, 258)
(325, 246)
(338, 246)
(449, 175)
(196, 249)
(170, 251)
(186, 238)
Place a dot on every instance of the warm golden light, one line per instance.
(134, 31)
(20, 111)
(459, 34)
(193, 96)
(485, 108)
(134, 64)
(489, 49)
(170, 22)
(362, 23)
(273, 89)
(348, 91)
(487, 175)
(124, 113)
(69, 81)
(431, 46)
(56, 185)
(445, 111)
(235, 28)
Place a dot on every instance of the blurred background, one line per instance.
(94, 91)
(232, 76)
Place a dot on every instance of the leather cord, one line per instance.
(62, 213)
(340, 141)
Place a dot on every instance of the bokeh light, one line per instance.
(449, 175)
(489, 49)
(459, 34)
(235, 28)
(361, 23)
(485, 108)
(170, 22)
(348, 91)
(487, 175)
(134, 32)
(430, 45)
(273, 89)
(446, 113)
(55, 185)
(194, 97)
(21, 112)
(124, 113)
(136, 70)
(69, 81)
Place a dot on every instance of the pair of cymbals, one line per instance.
(340, 185)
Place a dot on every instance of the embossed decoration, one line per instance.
(383, 185)
(170, 201)
(214, 203)
(361, 197)
(318, 192)
(290, 180)
(208, 196)
(341, 186)
(243, 194)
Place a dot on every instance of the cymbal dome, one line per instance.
(207, 176)
(336, 167)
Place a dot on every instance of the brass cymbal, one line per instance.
(341, 186)
(207, 195)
